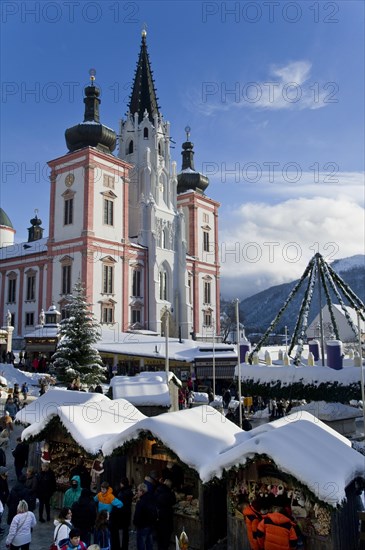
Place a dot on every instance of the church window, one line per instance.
(66, 279)
(207, 319)
(108, 212)
(145, 133)
(163, 285)
(68, 212)
(130, 147)
(29, 319)
(165, 238)
(12, 289)
(30, 294)
(136, 316)
(108, 181)
(136, 283)
(190, 290)
(207, 292)
(206, 241)
(159, 148)
(108, 279)
(107, 313)
(205, 217)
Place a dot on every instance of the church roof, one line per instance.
(90, 132)
(189, 179)
(4, 219)
(143, 97)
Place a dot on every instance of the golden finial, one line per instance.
(144, 30)
(92, 74)
(187, 130)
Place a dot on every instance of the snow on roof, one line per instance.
(194, 435)
(291, 374)
(44, 331)
(23, 249)
(303, 447)
(329, 411)
(146, 388)
(187, 350)
(91, 418)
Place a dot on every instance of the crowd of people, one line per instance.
(97, 520)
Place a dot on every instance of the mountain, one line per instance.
(259, 310)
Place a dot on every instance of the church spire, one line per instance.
(189, 179)
(143, 97)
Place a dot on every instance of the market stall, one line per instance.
(182, 441)
(303, 465)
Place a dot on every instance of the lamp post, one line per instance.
(238, 359)
(213, 359)
(362, 370)
(167, 328)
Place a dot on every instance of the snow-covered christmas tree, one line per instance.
(75, 358)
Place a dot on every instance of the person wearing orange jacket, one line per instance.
(276, 531)
(252, 517)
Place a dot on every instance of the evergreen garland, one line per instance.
(353, 299)
(303, 315)
(338, 296)
(281, 311)
(329, 304)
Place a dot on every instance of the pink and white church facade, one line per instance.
(142, 237)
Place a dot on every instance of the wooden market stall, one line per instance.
(302, 464)
(184, 441)
(64, 426)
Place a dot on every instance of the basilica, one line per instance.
(141, 234)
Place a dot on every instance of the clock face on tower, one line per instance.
(70, 178)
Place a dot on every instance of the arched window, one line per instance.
(163, 285)
(145, 133)
(159, 148)
(130, 147)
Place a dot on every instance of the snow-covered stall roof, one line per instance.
(136, 344)
(146, 388)
(194, 435)
(329, 411)
(15, 376)
(91, 418)
(302, 446)
(291, 374)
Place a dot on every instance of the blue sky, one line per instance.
(273, 93)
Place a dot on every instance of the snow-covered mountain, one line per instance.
(257, 311)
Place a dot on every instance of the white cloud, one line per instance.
(287, 87)
(265, 245)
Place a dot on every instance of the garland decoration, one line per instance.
(338, 296)
(281, 311)
(303, 315)
(353, 299)
(329, 305)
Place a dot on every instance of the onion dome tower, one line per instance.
(91, 133)
(7, 230)
(189, 179)
(35, 232)
(143, 97)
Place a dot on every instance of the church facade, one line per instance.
(142, 237)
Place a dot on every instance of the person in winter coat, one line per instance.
(84, 515)
(84, 474)
(4, 487)
(105, 499)
(73, 493)
(75, 542)
(46, 486)
(252, 517)
(20, 531)
(145, 517)
(276, 531)
(31, 484)
(20, 455)
(120, 518)
(101, 531)
(62, 527)
(165, 500)
(18, 492)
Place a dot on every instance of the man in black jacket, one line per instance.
(145, 517)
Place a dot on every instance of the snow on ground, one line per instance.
(328, 411)
(15, 376)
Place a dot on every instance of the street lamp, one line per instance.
(238, 359)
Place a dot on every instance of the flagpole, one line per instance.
(238, 359)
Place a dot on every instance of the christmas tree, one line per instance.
(75, 358)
